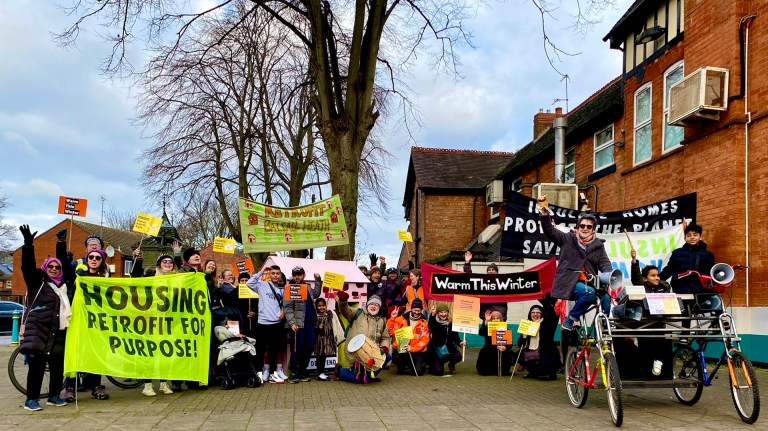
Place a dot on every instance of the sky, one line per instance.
(66, 130)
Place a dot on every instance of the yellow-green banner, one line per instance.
(267, 228)
(148, 328)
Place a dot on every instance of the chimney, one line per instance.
(541, 122)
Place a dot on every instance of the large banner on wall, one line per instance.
(144, 328)
(266, 228)
(523, 236)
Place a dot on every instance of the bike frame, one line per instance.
(730, 344)
(591, 337)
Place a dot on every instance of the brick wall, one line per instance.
(447, 223)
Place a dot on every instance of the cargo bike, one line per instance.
(702, 321)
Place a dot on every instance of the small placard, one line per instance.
(502, 337)
(404, 235)
(234, 327)
(406, 332)
(243, 291)
(662, 303)
(224, 245)
(295, 292)
(528, 327)
(496, 326)
(334, 281)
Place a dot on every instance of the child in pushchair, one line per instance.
(236, 352)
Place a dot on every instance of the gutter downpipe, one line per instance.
(746, 20)
(559, 125)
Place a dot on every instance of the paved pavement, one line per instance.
(461, 402)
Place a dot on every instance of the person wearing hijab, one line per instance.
(44, 321)
(492, 359)
(539, 354)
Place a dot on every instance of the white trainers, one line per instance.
(164, 388)
(657, 364)
(260, 376)
(281, 374)
(323, 377)
(148, 391)
(275, 378)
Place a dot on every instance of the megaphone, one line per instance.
(721, 273)
(629, 310)
(613, 279)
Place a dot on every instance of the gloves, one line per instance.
(61, 234)
(343, 296)
(373, 259)
(70, 256)
(29, 238)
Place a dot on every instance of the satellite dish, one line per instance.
(110, 251)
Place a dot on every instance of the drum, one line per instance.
(363, 349)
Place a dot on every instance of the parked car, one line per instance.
(6, 314)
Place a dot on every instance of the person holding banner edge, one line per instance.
(581, 254)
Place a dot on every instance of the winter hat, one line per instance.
(416, 303)
(100, 253)
(297, 270)
(161, 257)
(94, 238)
(392, 271)
(374, 299)
(243, 275)
(442, 306)
(375, 269)
(493, 266)
(189, 253)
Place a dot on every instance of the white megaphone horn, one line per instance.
(614, 278)
(721, 273)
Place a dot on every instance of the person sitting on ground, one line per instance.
(329, 334)
(415, 351)
(493, 358)
(538, 353)
(444, 343)
(582, 255)
(369, 322)
(692, 256)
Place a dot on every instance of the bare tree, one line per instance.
(7, 231)
(120, 219)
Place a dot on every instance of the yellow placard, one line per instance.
(334, 281)
(404, 235)
(243, 291)
(224, 245)
(147, 224)
(496, 326)
(528, 327)
(404, 333)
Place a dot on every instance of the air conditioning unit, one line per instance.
(494, 193)
(700, 96)
(560, 194)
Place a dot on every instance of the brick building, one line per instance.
(445, 201)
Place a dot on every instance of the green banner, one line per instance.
(148, 328)
(266, 228)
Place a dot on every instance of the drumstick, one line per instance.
(631, 247)
(415, 371)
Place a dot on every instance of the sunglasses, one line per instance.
(586, 226)
(94, 257)
(166, 261)
(56, 267)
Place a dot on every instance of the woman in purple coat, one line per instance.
(581, 254)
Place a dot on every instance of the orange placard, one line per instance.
(244, 266)
(72, 206)
(502, 337)
(295, 292)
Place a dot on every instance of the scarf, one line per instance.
(65, 312)
(443, 322)
(56, 280)
(584, 242)
(533, 342)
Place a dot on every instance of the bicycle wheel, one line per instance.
(613, 386)
(576, 378)
(686, 366)
(744, 390)
(126, 383)
(18, 370)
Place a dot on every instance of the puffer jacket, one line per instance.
(421, 334)
(573, 258)
(688, 258)
(41, 319)
(303, 313)
(373, 327)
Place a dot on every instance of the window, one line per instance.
(128, 265)
(517, 185)
(570, 166)
(642, 141)
(604, 148)
(673, 135)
